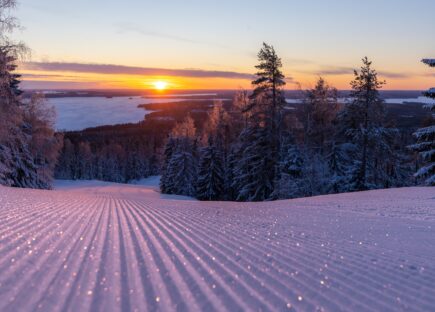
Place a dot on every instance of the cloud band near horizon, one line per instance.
(110, 69)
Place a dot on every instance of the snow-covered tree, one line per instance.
(363, 123)
(211, 181)
(44, 144)
(320, 110)
(293, 180)
(28, 146)
(254, 173)
(170, 148)
(340, 161)
(112, 166)
(182, 173)
(180, 163)
(426, 140)
(18, 166)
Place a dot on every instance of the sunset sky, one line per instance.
(202, 44)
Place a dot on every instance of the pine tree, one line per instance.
(256, 171)
(363, 122)
(425, 145)
(211, 183)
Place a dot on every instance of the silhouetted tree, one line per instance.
(257, 170)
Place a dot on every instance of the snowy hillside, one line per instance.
(109, 247)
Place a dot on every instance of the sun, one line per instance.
(160, 85)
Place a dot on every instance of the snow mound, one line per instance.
(110, 247)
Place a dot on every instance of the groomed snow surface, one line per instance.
(108, 247)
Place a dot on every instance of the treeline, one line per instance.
(110, 161)
(255, 151)
(29, 146)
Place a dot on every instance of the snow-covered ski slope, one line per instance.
(126, 248)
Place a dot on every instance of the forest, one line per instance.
(254, 151)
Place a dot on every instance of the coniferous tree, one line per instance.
(180, 173)
(257, 170)
(84, 163)
(293, 181)
(211, 182)
(320, 111)
(363, 122)
(165, 179)
(340, 161)
(182, 170)
(425, 145)
(19, 168)
(28, 146)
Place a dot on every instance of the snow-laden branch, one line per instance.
(430, 62)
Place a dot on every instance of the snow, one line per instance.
(94, 246)
(78, 113)
(431, 95)
(153, 181)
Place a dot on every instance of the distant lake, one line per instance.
(78, 113)
(420, 99)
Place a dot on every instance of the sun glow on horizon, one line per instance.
(160, 85)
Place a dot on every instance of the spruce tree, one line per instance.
(211, 182)
(182, 172)
(19, 168)
(167, 155)
(292, 182)
(425, 145)
(255, 170)
(340, 162)
(179, 168)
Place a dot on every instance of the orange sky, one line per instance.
(73, 80)
(213, 44)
